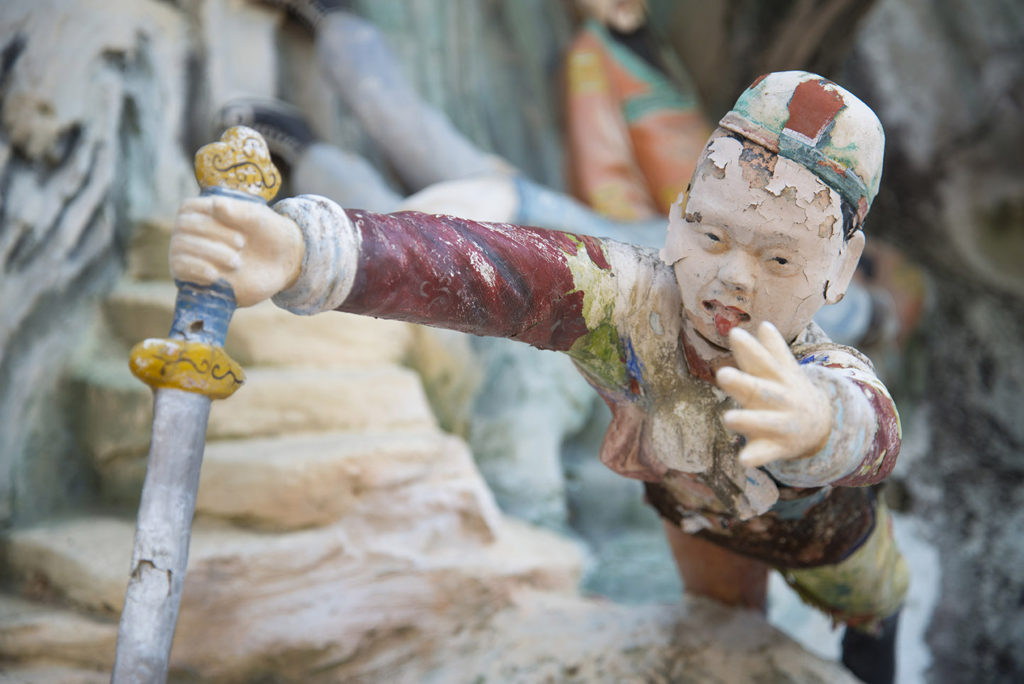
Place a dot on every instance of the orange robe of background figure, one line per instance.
(633, 136)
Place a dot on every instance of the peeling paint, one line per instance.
(758, 164)
(655, 321)
(767, 261)
(827, 228)
(817, 124)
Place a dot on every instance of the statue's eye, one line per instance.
(781, 265)
(714, 242)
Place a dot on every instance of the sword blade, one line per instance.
(163, 530)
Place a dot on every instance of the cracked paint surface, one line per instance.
(813, 122)
(757, 240)
(618, 311)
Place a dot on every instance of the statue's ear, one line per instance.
(852, 250)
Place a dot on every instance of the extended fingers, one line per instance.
(758, 424)
(768, 355)
(750, 390)
(751, 356)
(761, 451)
(771, 339)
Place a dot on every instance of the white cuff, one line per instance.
(332, 255)
(854, 424)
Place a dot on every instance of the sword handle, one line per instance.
(193, 359)
(202, 312)
(239, 166)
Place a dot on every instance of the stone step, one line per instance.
(319, 596)
(116, 408)
(311, 480)
(55, 644)
(546, 637)
(263, 334)
(53, 674)
(84, 561)
(318, 631)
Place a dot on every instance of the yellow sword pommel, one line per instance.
(240, 162)
(193, 359)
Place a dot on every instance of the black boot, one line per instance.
(872, 658)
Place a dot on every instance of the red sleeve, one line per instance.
(487, 279)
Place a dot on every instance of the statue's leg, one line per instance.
(872, 657)
(347, 178)
(419, 141)
(865, 591)
(713, 571)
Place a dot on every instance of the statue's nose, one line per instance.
(738, 270)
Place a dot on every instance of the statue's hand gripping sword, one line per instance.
(186, 372)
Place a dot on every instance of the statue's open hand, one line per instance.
(784, 415)
(255, 249)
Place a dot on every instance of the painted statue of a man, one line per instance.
(757, 437)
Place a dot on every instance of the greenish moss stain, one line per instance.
(1000, 235)
(600, 351)
(596, 284)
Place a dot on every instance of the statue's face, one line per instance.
(759, 238)
(624, 16)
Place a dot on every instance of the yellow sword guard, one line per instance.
(190, 366)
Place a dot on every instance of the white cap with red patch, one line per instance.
(817, 124)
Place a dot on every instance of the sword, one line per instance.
(186, 371)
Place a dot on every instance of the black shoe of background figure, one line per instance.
(309, 12)
(872, 658)
(281, 125)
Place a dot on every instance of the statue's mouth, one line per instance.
(726, 317)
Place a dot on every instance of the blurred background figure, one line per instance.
(634, 125)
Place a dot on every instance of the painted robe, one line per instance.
(615, 309)
(632, 136)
